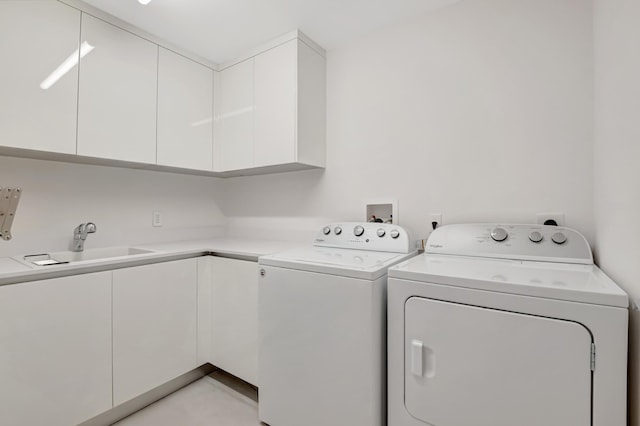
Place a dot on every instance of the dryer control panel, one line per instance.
(364, 236)
(508, 241)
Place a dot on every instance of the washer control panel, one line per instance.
(509, 241)
(364, 236)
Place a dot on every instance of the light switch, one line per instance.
(157, 219)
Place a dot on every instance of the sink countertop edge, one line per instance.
(161, 252)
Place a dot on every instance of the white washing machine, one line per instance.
(323, 327)
(506, 325)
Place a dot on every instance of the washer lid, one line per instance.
(361, 264)
(573, 282)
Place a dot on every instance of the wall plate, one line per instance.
(383, 209)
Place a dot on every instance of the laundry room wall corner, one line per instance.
(616, 177)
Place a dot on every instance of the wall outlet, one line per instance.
(545, 217)
(437, 218)
(157, 219)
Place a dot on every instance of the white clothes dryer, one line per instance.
(505, 325)
(322, 325)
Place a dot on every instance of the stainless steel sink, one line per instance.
(64, 257)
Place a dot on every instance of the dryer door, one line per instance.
(467, 365)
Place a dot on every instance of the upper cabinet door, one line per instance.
(118, 93)
(185, 112)
(275, 105)
(39, 75)
(233, 111)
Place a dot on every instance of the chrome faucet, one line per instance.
(80, 235)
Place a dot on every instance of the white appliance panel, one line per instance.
(579, 283)
(510, 241)
(321, 349)
(362, 264)
(467, 365)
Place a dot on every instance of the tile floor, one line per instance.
(217, 399)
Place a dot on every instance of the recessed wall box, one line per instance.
(383, 211)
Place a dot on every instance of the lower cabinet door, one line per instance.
(55, 350)
(234, 317)
(154, 326)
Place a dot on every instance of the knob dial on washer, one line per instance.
(559, 238)
(394, 233)
(337, 230)
(326, 230)
(358, 231)
(499, 234)
(535, 236)
(381, 232)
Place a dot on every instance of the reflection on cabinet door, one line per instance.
(233, 110)
(154, 326)
(39, 75)
(185, 112)
(55, 350)
(275, 99)
(118, 91)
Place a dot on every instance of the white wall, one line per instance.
(617, 160)
(481, 111)
(57, 197)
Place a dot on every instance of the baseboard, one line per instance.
(138, 403)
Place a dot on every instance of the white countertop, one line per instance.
(13, 270)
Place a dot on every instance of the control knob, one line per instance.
(535, 236)
(326, 230)
(559, 238)
(394, 233)
(381, 232)
(338, 230)
(499, 234)
(358, 231)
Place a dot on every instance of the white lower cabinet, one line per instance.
(55, 350)
(228, 314)
(154, 326)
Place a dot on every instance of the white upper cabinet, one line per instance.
(280, 121)
(39, 75)
(117, 99)
(275, 100)
(185, 112)
(75, 84)
(233, 109)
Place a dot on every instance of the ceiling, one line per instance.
(220, 30)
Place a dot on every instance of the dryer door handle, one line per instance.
(416, 358)
(423, 360)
